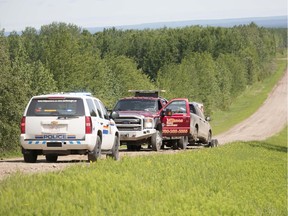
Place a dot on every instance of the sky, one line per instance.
(16, 15)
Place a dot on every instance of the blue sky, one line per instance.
(18, 14)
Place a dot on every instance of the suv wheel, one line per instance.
(156, 140)
(51, 158)
(208, 141)
(96, 153)
(115, 149)
(195, 134)
(214, 143)
(30, 157)
(183, 142)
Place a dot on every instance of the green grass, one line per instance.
(10, 154)
(243, 178)
(248, 102)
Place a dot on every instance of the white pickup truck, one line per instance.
(184, 123)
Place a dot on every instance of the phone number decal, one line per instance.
(175, 131)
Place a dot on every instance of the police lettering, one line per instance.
(54, 136)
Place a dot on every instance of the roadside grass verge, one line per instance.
(249, 101)
(242, 178)
(11, 154)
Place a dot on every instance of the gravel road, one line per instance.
(269, 119)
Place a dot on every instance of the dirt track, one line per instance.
(268, 120)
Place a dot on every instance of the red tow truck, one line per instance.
(184, 123)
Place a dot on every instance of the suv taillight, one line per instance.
(22, 125)
(88, 125)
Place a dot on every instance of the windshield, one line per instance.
(177, 106)
(56, 107)
(136, 105)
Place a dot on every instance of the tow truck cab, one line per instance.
(138, 121)
(184, 123)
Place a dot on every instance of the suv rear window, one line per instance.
(56, 107)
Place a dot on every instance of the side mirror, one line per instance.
(109, 112)
(114, 115)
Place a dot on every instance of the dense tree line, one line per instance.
(206, 64)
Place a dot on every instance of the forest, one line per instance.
(211, 65)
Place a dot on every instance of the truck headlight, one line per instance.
(148, 123)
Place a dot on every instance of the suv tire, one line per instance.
(195, 134)
(183, 142)
(209, 138)
(214, 143)
(30, 157)
(96, 153)
(115, 149)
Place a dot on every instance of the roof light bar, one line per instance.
(146, 93)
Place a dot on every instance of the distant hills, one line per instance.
(268, 22)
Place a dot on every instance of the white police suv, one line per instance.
(67, 123)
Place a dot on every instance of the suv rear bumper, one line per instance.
(136, 135)
(59, 145)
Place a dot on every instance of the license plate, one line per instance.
(54, 144)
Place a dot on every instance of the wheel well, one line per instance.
(99, 134)
(158, 124)
(159, 127)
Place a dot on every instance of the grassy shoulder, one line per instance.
(248, 102)
(11, 154)
(243, 178)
